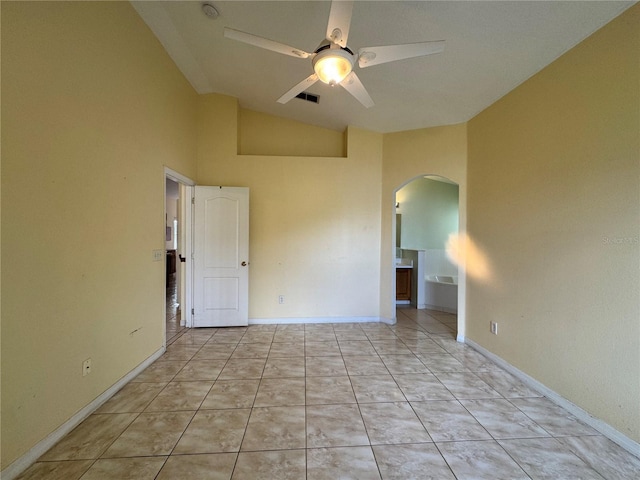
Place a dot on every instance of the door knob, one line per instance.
(244, 264)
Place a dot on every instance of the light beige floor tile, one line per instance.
(376, 388)
(365, 365)
(480, 460)
(274, 392)
(604, 456)
(213, 466)
(344, 463)
(243, 368)
(180, 352)
(150, 434)
(391, 347)
(449, 421)
(271, 465)
(200, 370)
(506, 384)
(67, 470)
(231, 394)
(215, 351)
(251, 350)
(442, 363)
(214, 431)
(422, 386)
(397, 364)
(475, 361)
(160, 371)
(435, 327)
(325, 366)
(412, 462)
(320, 336)
(284, 367)
(180, 396)
(326, 390)
(466, 386)
(424, 347)
(393, 423)
(289, 336)
(321, 349)
(356, 347)
(193, 338)
(228, 335)
(356, 335)
(553, 418)
(91, 438)
(256, 336)
(288, 349)
(145, 468)
(546, 458)
(502, 420)
(335, 426)
(275, 428)
(133, 397)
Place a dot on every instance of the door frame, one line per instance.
(185, 233)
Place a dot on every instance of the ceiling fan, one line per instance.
(333, 60)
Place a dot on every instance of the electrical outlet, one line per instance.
(157, 255)
(281, 299)
(86, 367)
(493, 326)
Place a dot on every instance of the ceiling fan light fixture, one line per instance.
(333, 65)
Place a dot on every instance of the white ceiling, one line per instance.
(491, 47)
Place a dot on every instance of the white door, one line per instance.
(221, 257)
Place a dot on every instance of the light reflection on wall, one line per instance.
(463, 252)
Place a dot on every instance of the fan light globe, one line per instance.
(332, 65)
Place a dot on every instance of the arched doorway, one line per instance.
(426, 217)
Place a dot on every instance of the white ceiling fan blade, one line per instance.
(368, 56)
(353, 85)
(339, 21)
(300, 87)
(264, 43)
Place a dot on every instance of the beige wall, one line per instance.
(262, 134)
(554, 201)
(314, 221)
(408, 155)
(92, 108)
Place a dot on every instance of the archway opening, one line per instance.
(426, 217)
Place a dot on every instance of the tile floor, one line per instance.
(331, 401)
(173, 328)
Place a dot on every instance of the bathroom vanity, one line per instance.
(403, 280)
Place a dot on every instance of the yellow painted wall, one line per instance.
(554, 201)
(92, 108)
(314, 221)
(262, 134)
(408, 155)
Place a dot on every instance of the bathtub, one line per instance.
(441, 292)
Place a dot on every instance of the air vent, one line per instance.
(309, 97)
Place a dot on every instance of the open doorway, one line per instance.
(427, 215)
(173, 314)
(177, 208)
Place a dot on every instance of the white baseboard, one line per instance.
(439, 308)
(601, 426)
(25, 461)
(312, 320)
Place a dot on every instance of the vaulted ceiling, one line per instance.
(491, 47)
